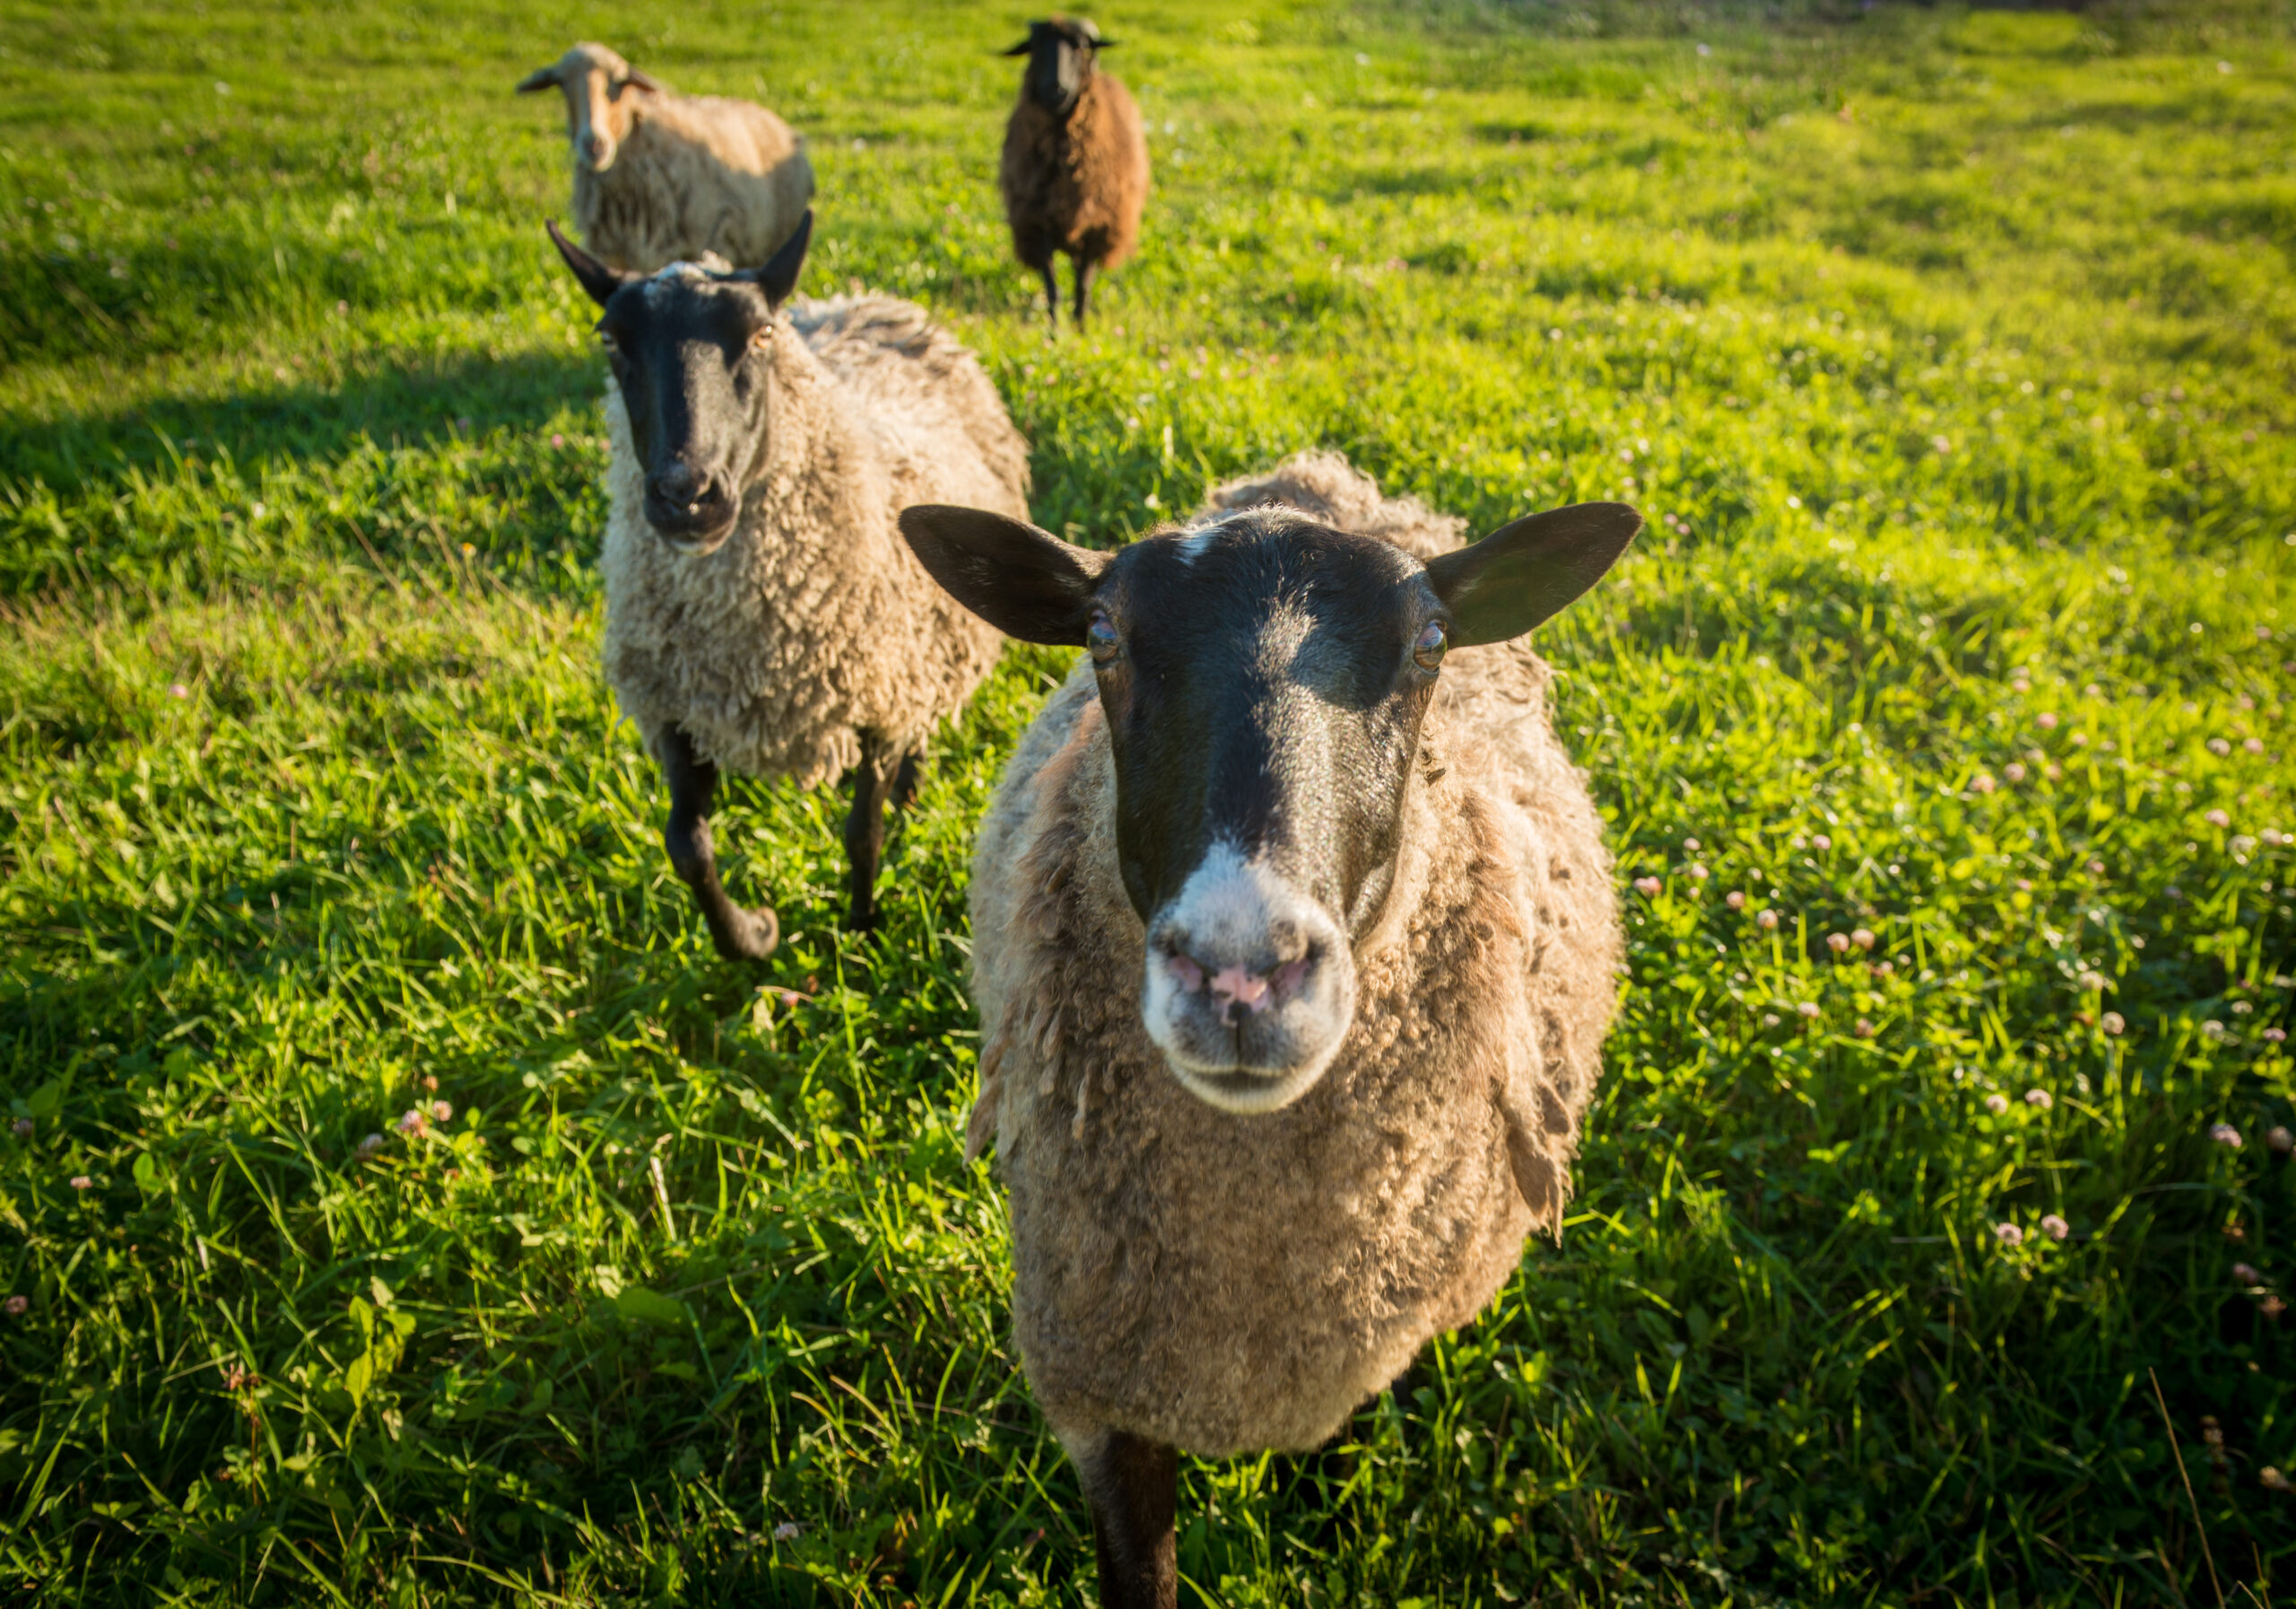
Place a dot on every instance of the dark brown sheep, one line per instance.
(1075, 167)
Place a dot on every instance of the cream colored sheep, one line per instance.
(763, 612)
(661, 178)
(1293, 957)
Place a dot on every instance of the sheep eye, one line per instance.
(1099, 640)
(606, 341)
(1427, 652)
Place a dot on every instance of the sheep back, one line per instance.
(695, 175)
(813, 621)
(1076, 186)
(1225, 1284)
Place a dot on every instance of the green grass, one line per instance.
(1950, 356)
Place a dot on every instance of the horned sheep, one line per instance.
(1075, 167)
(661, 178)
(1293, 960)
(762, 614)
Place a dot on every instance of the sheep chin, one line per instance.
(1249, 1095)
(693, 547)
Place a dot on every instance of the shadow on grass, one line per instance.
(404, 399)
(406, 465)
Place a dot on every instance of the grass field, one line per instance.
(1950, 356)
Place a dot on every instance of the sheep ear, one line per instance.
(540, 78)
(600, 281)
(643, 81)
(778, 276)
(1530, 570)
(1022, 49)
(1027, 583)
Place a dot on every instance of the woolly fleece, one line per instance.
(1228, 1283)
(813, 621)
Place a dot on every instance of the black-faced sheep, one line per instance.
(763, 612)
(662, 178)
(1075, 167)
(1293, 957)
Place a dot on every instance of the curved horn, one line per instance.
(1023, 49)
(540, 78)
(645, 81)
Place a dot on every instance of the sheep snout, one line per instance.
(1250, 985)
(692, 510)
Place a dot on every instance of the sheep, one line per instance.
(1293, 960)
(1075, 167)
(660, 177)
(762, 614)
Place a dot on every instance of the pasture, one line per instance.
(1950, 356)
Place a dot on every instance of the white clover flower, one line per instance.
(1996, 1103)
(2113, 1022)
(2225, 1135)
(2008, 1234)
(2055, 1227)
(2038, 1098)
(1734, 900)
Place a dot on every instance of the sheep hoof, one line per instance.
(748, 935)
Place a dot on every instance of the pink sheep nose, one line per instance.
(1236, 986)
(1237, 989)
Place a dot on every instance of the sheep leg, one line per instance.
(905, 781)
(1084, 266)
(1133, 1485)
(738, 934)
(1051, 295)
(864, 830)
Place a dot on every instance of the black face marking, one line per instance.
(692, 353)
(1060, 55)
(691, 356)
(1267, 699)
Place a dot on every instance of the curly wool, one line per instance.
(1076, 186)
(813, 621)
(693, 175)
(1227, 1283)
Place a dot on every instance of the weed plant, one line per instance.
(402, 1204)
